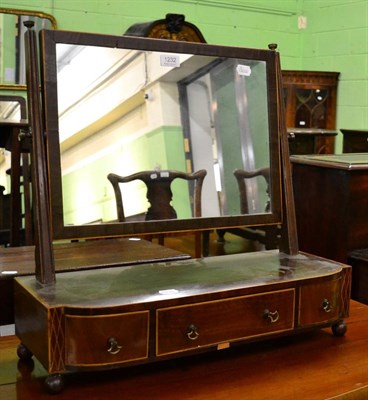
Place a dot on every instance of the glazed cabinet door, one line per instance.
(219, 322)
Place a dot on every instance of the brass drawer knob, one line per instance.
(326, 306)
(113, 346)
(192, 332)
(272, 316)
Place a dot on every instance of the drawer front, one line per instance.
(222, 321)
(319, 302)
(107, 339)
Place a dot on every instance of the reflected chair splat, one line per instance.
(159, 195)
(266, 235)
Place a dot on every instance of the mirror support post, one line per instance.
(289, 235)
(45, 267)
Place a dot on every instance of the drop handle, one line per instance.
(113, 346)
(192, 332)
(271, 316)
(326, 306)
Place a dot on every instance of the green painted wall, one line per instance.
(88, 195)
(335, 39)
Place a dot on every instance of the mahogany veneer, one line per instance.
(331, 203)
(150, 312)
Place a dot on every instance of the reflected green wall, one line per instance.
(7, 49)
(88, 195)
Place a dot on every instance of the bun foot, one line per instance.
(54, 383)
(23, 352)
(339, 328)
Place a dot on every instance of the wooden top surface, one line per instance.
(355, 131)
(312, 131)
(313, 366)
(23, 123)
(346, 161)
(164, 281)
(18, 261)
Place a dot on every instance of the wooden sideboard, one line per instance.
(355, 141)
(310, 105)
(331, 202)
(151, 312)
(76, 256)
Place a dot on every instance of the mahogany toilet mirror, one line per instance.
(171, 105)
(160, 96)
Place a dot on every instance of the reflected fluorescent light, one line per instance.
(216, 168)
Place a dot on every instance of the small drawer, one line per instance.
(319, 302)
(106, 339)
(220, 322)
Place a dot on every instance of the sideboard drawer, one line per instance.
(106, 339)
(219, 322)
(319, 302)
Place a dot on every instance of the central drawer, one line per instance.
(219, 322)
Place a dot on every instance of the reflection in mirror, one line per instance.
(134, 111)
(12, 111)
(12, 71)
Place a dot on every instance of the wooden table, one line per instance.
(355, 140)
(331, 203)
(313, 365)
(20, 261)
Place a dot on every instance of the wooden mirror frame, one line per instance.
(49, 40)
(24, 13)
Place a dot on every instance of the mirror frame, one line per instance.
(21, 12)
(49, 39)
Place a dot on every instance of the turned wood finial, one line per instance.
(272, 46)
(28, 24)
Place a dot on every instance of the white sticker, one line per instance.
(168, 291)
(170, 60)
(164, 174)
(244, 70)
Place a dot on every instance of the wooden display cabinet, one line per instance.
(122, 316)
(310, 102)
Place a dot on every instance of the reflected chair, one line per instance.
(266, 235)
(159, 195)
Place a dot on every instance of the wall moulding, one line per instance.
(237, 6)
